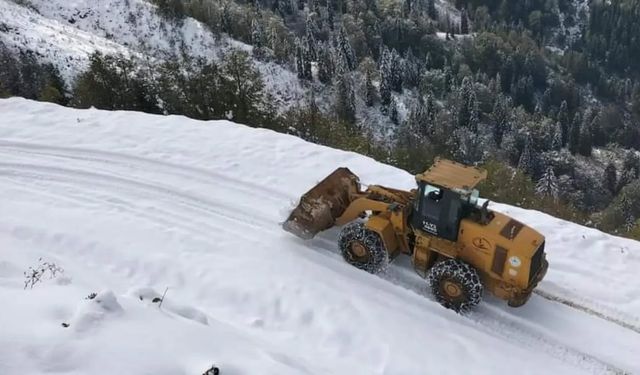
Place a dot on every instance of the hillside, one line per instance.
(129, 204)
(547, 90)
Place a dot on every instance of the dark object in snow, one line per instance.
(65, 325)
(212, 371)
(156, 300)
(35, 275)
(91, 296)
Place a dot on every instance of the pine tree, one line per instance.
(500, 116)
(431, 9)
(585, 145)
(563, 118)
(345, 100)
(370, 91)
(547, 185)
(299, 61)
(344, 48)
(468, 115)
(418, 121)
(310, 40)
(631, 163)
(331, 15)
(325, 64)
(393, 112)
(396, 70)
(526, 161)
(385, 79)
(257, 39)
(611, 178)
(574, 135)
(464, 22)
(556, 141)
(431, 111)
(411, 69)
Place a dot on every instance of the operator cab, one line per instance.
(445, 196)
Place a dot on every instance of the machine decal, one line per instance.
(430, 227)
(512, 272)
(481, 243)
(514, 261)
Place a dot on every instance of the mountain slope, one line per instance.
(129, 204)
(66, 33)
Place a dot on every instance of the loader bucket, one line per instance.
(323, 204)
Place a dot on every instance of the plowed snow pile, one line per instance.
(129, 204)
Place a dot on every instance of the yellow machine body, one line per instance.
(508, 255)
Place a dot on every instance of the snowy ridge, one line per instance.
(65, 33)
(129, 204)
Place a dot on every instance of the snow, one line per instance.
(130, 204)
(65, 33)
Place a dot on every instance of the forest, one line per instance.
(544, 94)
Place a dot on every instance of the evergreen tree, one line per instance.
(418, 121)
(410, 69)
(556, 141)
(563, 118)
(325, 64)
(331, 15)
(393, 111)
(464, 22)
(345, 50)
(585, 145)
(345, 100)
(631, 163)
(370, 91)
(547, 185)
(431, 9)
(300, 63)
(257, 39)
(611, 178)
(526, 161)
(574, 135)
(170, 8)
(500, 116)
(468, 116)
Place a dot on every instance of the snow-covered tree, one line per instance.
(468, 116)
(547, 185)
(344, 48)
(556, 140)
(526, 160)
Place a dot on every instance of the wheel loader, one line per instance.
(461, 247)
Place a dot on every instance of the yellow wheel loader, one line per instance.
(460, 247)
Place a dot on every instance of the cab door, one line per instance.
(437, 211)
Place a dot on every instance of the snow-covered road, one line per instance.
(129, 204)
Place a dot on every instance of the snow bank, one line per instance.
(129, 204)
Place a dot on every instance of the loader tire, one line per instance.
(455, 285)
(362, 248)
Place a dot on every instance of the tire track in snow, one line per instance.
(586, 309)
(395, 274)
(137, 162)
